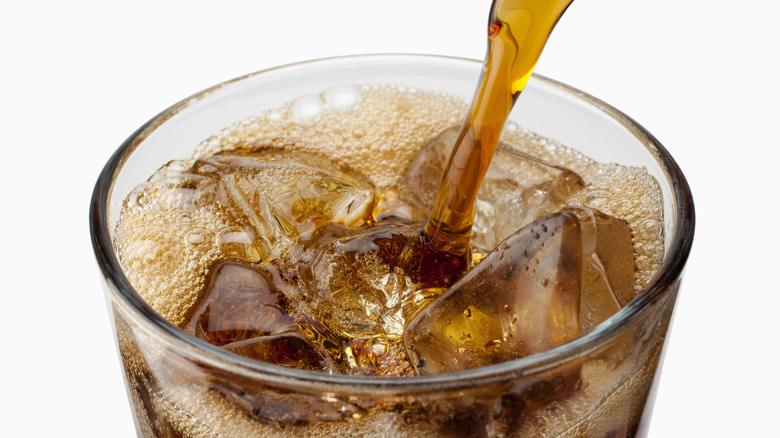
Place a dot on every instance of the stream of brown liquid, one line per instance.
(517, 33)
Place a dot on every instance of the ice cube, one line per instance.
(607, 266)
(284, 196)
(289, 349)
(356, 282)
(518, 188)
(240, 303)
(523, 298)
(367, 282)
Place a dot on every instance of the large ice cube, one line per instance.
(252, 311)
(551, 281)
(518, 188)
(240, 303)
(284, 196)
(521, 299)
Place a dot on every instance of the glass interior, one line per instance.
(546, 107)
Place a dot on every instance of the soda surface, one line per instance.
(296, 238)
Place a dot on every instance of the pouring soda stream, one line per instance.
(517, 33)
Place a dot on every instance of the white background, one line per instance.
(77, 77)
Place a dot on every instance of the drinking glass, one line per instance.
(600, 384)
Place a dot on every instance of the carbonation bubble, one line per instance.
(307, 110)
(342, 97)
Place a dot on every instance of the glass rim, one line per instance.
(658, 287)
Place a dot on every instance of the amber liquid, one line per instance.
(517, 33)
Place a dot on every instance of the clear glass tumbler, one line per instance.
(182, 386)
